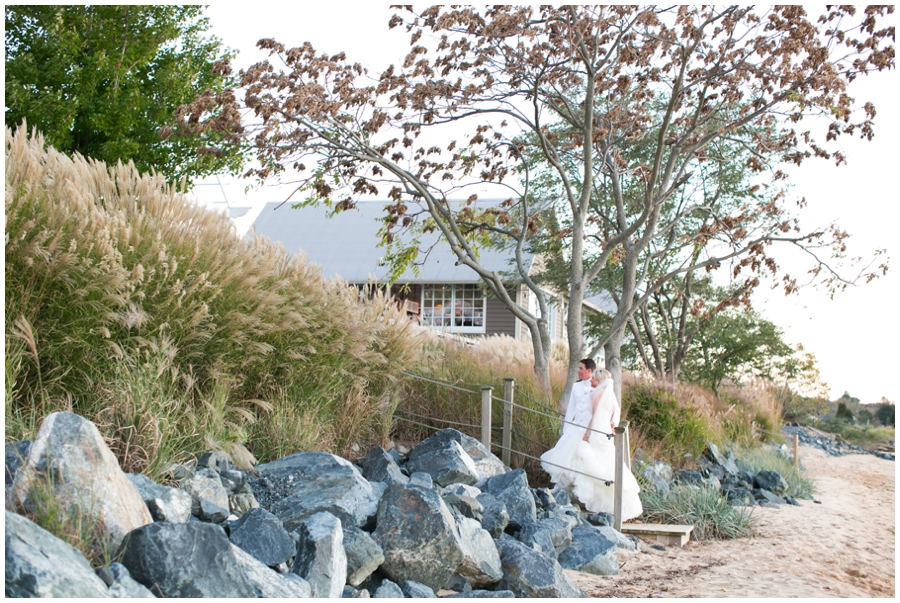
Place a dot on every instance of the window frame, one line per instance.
(455, 301)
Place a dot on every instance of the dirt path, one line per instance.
(843, 547)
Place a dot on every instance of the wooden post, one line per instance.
(627, 445)
(796, 451)
(508, 389)
(486, 415)
(620, 465)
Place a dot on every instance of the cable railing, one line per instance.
(622, 453)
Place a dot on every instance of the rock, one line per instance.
(537, 539)
(712, 452)
(320, 556)
(544, 499)
(38, 564)
(210, 512)
(70, 456)
(307, 483)
(185, 560)
(16, 453)
(528, 573)
(242, 502)
(486, 463)
(465, 505)
(414, 590)
(364, 555)
(447, 465)
(121, 584)
(481, 565)
(622, 541)
(562, 498)
(591, 552)
(739, 497)
(771, 481)
(260, 534)
(600, 519)
(459, 584)
(232, 480)
(418, 535)
(351, 593)
(483, 594)
(657, 475)
(558, 530)
(217, 460)
(379, 466)
(388, 590)
(164, 503)
(687, 476)
(421, 479)
(267, 582)
(204, 485)
(495, 517)
(762, 494)
(512, 489)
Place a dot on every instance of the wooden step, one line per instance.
(667, 534)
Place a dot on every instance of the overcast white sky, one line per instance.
(854, 336)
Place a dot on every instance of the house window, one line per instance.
(456, 308)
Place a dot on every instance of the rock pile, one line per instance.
(722, 472)
(831, 445)
(449, 516)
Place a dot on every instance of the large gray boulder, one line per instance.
(38, 564)
(16, 453)
(261, 534)
(388, 590)
(185, 560)
(657, 475)
(379, 466)
(415, 590)
(364, 555)
(487, 464)
(449, 464)
(558, 532)
(320, 559)
(591, 552)
(164, 503)
(622, 541)
(771, 481)
(319, 481)
(417, 533)
(529, 573)
(70, 457)
(481, 565)
(267, 582)
(512, 490)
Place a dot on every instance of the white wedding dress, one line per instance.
(572, 460)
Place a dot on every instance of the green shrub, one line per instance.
(659, 414)
(704, 508)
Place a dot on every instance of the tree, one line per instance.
(622, 103)
(843, 412)
(735, 344)
(105, 81)
(886, 413)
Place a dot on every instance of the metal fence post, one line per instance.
(486, 415)
(620, 466)
(508, 389)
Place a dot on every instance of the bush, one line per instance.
(131, 306)
(703, 507)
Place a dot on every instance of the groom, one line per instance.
(580, 397)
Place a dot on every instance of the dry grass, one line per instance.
(112, 273)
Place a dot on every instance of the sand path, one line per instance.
(843, 547)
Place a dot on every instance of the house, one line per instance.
(442, 295)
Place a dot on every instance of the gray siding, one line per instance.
(499, 320)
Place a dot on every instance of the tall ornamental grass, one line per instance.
(703, 507)
(135, 308)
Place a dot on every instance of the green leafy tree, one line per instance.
(886, 414)
(105, 82)
(843, 412)
(735, 344)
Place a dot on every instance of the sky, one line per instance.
(855, 336)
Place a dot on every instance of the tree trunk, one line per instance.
(613, 352)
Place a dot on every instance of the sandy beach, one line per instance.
(841, 546)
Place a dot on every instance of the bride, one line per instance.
(581, 453)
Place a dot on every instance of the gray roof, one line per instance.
(346, 245)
